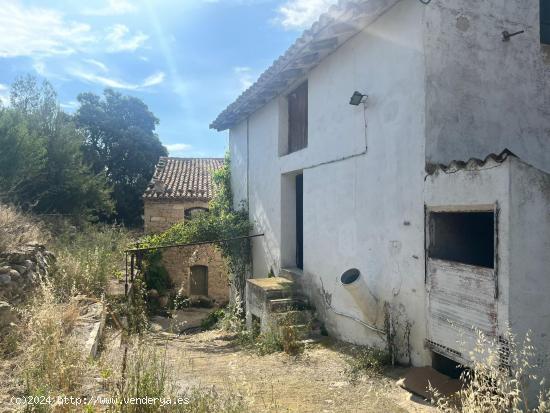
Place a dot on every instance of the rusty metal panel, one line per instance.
(461, 299)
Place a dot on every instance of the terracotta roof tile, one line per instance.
(183, 178)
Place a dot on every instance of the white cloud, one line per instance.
(34, 31)
(39, 67)
(178, 148)
(244, 76)
(300, 14)
(112, 8)
(102, 80)
(4, 95)
(120, 40)
(41, 32)
(154, 79)
(100, 65)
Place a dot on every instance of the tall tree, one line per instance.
(120, 139)
(42, 167)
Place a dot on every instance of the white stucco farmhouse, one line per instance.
(434, 183)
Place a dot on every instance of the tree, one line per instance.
(42, 167)
(120, 140)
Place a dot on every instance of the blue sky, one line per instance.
(186, 59)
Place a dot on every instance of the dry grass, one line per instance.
(491, 388)
(18, 229)
(86, 261)
(148, 374)
(51, 362)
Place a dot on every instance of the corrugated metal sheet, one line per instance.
(461, 300)
(471, 164)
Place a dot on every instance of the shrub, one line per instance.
(366, 361)
(156, 276)
(181, 301)
(213, 319)
(233, 318)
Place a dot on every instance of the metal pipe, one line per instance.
(219, 241)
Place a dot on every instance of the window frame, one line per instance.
(297, 113)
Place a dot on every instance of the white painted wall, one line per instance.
(483, 94)
(354, 210)
(530, 260)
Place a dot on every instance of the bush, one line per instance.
(156, 276)
(366, 361)
(213, 319)
(18, 229)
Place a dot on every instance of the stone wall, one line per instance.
(161, 215)
(178, 261)
(20, 270)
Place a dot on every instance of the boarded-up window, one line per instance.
(297, 118)
(199, 280)
(545, 21)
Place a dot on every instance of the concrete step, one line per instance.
(281, 305)
(293, 317)
(260, 289)
(302, 331)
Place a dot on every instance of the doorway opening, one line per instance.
(292, 220)
(300, 221)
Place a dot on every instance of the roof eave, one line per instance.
(333, 29)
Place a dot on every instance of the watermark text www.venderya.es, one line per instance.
(98, 401)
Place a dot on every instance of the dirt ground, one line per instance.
(316, 381)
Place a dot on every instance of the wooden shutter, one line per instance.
(199, 280)
(545, 21)
(297, 118)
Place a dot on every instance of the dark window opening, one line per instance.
(465, 237)
(199, 280)
(300, 221)
(190, 213)
(297, 118)
(545, 21)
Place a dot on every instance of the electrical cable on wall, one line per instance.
(365, 122)
(425, 2)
